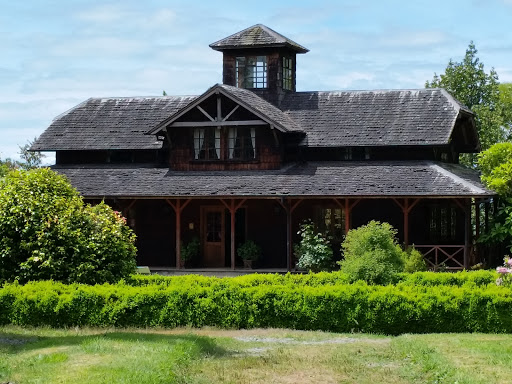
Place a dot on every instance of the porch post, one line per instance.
(406, 222)
(178, 233)
(289, 208)
(178, 207)
(232, 208)
(347, 217)
(467, 232)
(232, 211)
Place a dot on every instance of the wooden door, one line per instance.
(213, 228)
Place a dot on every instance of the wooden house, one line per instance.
(251, 158)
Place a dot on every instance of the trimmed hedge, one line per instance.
(252, 301)
(479, 278)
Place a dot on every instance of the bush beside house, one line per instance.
(47, 232)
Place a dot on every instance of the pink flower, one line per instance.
(502, 270)
(509, 262)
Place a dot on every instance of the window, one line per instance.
(251, 72)
(287, 73)
(241, 143)
(206, 143)
(442, 223)
(331, 221)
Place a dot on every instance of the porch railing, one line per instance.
(443, 257)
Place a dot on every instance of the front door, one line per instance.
(213, 237)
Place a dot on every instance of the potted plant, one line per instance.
(249, 252)
(189, 251)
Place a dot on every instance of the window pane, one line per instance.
(251, 72)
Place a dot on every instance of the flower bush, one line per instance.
(314, 251)
(505, 272)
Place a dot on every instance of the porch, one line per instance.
(439, 227)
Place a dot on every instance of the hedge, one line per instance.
(479, 278)
(392, 309)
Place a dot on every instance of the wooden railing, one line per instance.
(443, 257)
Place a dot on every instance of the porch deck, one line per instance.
(216, 272)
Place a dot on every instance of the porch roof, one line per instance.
(313, 179)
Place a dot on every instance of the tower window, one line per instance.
(251, 72)
(287, 73)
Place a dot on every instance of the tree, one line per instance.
(47, 232)
(506, 105)
(30, 159)
(496, 167)
(468, 82)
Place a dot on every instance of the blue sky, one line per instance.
(56, 53)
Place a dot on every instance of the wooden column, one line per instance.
(406, 209)
(467, 233)
(347, 209)
(232, 208)
(178, 208)
(289, 208)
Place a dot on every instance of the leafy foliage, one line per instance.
(506, 102)
(48, 233)
(371, 253)
(496, 166)
(314, 251)
(468, 82)
(191, 249)
(414, 261)
(228, 303)
(249, 251)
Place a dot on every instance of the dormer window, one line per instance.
(242, 143)
(251, 72)
(207, 143)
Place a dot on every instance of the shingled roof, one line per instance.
(257, 36)
(247, 99)
(314, 179)
(374, 118)
(110, 123)
(344, 118)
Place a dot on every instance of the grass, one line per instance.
(43, 355)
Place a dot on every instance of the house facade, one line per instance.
(252, 158)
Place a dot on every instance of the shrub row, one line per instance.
(478, 278)
(341, 308)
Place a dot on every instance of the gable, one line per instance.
(223, 105)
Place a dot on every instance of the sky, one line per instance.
(55, 54)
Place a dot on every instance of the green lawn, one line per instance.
(249, 356)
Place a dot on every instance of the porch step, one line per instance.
(216, 272)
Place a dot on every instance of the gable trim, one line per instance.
(217, 89)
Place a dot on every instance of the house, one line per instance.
(251, 158)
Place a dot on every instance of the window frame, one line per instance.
(287, 73)
(251, 75)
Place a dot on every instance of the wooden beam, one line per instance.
(295, 205)
(347, 216)
(406, 223)
(219, 109)
(178, 208)
(233, 212)
(204, 113)
(461, 206)
(217, 123)
(467, 235)
(230, 113)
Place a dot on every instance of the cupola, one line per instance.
(261, 60)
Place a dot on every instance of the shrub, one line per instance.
(371, 253)
(314, 251)
(414, 261)
(191, 249)
(249, 251)
(228, 304)
(46, 232)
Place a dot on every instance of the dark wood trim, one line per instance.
(232, 208)
(200, 124)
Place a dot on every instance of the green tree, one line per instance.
(30, 159)
(46, 232)
(506, 105)
(468, 82)
(496, 167)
